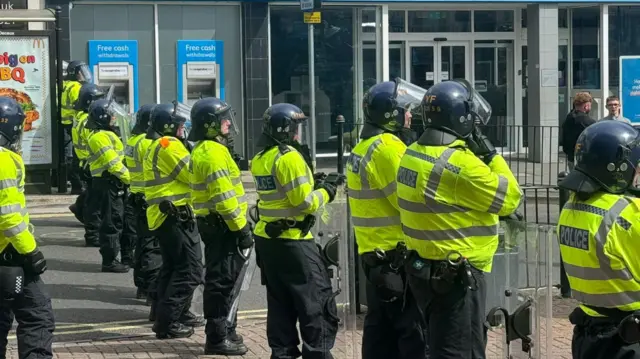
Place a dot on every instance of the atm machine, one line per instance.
(120, 75)
(200, 79)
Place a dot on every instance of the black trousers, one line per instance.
(148, 257)
(597, 338)
(455, 321)
(223, 264)
(92, 212)
(35, 319)
(71, 160)
(298, 290)
(112, 213)
(181, 270)
(129, 236)
(392, 330)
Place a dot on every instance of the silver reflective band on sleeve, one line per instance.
(450, 234)
(210, 178)
(8, 183)
(233, 215)
(500, 196)
(11, 209)
(430, 206)
(296, 211)
(604, 271)
(138, 183)
(223, 196)
(362, 168)
(373, 193)
(376, 222)
(113, 162)
(171, 198)
(19, 175)
(236, 181)
(15, 230)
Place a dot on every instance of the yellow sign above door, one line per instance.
(312, 17)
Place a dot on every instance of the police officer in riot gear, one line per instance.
(19, 252)
(597, 232)
(148, 258)
(89, 93)
(171, 220)
(297, 280)
(393, 327)
(452, 187)
(221, 210)
(77, 74)
(109, 179)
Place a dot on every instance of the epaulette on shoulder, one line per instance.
(284, 149)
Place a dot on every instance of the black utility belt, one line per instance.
(276, 228)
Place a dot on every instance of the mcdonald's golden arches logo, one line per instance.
(38, 44)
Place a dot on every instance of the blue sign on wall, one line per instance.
(630, 87)
(211, 51)
(125, 51)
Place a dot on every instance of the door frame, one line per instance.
(437, 57)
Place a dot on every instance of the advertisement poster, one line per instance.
(24, 76)
(630, 87)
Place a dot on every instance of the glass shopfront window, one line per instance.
(586, 53)
(623, 39)
(334, 67)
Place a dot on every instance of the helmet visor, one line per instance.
(83, 74)
(479, 106)
(121, 119)
(408, 95)
(182, 116)
(228, 125)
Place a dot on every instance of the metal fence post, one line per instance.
(565, 289)
(340, 124)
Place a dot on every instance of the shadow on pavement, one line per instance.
(59, 265)
(69, 319)
(61, 221)
(96, 293)
(44, 242)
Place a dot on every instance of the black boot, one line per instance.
(115, 267)
(141, 294)
(235, 337)
(225, 347)
(176, 330)
(192, 320)
(152, 311)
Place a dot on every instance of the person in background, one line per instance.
(615, 110)
(577, 120)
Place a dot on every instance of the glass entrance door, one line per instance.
(428, 63)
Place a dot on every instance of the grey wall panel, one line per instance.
(195, 22)
(117, 22)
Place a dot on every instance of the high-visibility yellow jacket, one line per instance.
(166, 176)
(80, 135)
(134, 153)
(371, 179)
(14, 218)
(284, 185)
(105, 155)
(451, 201)
(70, 93)
(598, 242)
(216, 184)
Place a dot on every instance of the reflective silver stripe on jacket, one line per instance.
(19, 175)
(158, 179)
(366, 192)
(281, 193)
(15, 230)
(604, 271)
(170, 198)
(137, 167)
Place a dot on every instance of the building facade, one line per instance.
(528, 60)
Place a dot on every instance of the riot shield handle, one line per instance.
(517, 324)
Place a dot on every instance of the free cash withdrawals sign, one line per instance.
(120, 51)
(25, 76)
(199, 51)
(630, 87)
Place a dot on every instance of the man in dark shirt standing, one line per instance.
(577, 120)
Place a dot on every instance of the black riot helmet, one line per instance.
(385, 106)
(143, 119)
(11, 124)
(78, 71)
(607, 155)
(168, 119)
(454, 107)
(212, 119)
(88, 94)
(282, 124)
(102, 116)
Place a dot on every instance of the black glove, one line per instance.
(515, 216)
(481, 146)
(331, 190)
(319, 177)
(245, 238)
(34, 263)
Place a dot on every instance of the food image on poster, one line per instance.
(25, 77)
(30, 111)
